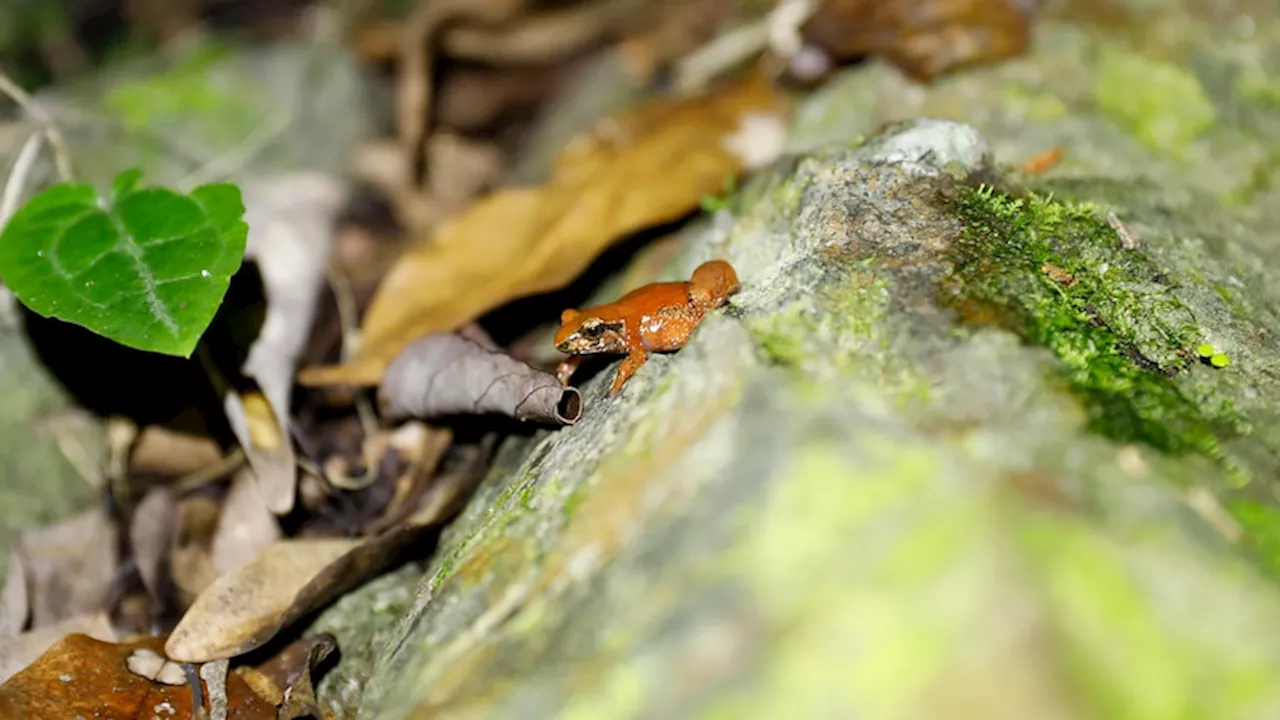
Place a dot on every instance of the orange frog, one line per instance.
(658, 317)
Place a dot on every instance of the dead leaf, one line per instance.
(290, 578)
(69, 566)
(19, 651)
(648, 167)
(300, 697)
(80, 676)
(163, 451)
(291, 229)
(191, 562)
(153, 529)
(925, 38)
(245, 525)
(447, 374)
(15, 608)
(243, 609)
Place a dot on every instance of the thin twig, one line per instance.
(18, 178)
(61, 157)
(347, 312)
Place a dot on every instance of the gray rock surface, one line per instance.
(952, 447)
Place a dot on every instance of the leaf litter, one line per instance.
(211, 548)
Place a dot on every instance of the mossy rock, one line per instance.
(952, 449)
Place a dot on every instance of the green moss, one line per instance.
(1261, 524)
(781, 335)
(1054, 273)
(443, 572)
(572, 502)
(1162, 104)
(1034, 104)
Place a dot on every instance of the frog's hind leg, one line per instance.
(628, 368)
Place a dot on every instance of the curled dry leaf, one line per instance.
(923, 37)
(447, 374)
(80, 676)
(291, 229)
(645, 168)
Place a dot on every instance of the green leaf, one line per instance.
(146, 268)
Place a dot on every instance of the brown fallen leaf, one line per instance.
(447, 374)
(68, 566)
(924, 38)
(166, 452)
(153, 529)
(80, 676)
(243, 609)
(642, 169)
(190, 560)
(291, 229)
(19, 651)
(245, 525)
(290, 578)
(15, 606)
(299, 699)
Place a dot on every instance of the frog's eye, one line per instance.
(593, 331)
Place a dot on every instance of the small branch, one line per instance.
(18, 178)
(61, 157)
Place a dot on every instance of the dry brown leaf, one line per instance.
(447, 374)
(15, 607)
(163, 451)
(290, 578)
(648, 167)
(69, 566)
(299, 699)
(243, 609)
(245, 525)
(923, 37)
(19, 651)
(291, 229)
(190, 561)
(153, 528)
(80, 676)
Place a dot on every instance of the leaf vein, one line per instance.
(134, 252)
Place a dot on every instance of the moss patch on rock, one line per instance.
(1055, 273)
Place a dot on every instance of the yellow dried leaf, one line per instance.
(646, 168)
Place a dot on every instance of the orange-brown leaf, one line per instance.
(923, 37)
(643, 169)
(83, 677)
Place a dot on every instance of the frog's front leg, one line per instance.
(566, 369)
(628, 368)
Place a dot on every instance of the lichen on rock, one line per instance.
(941, 444)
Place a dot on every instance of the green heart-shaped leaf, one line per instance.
(147, 267)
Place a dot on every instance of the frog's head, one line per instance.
(582, 334)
